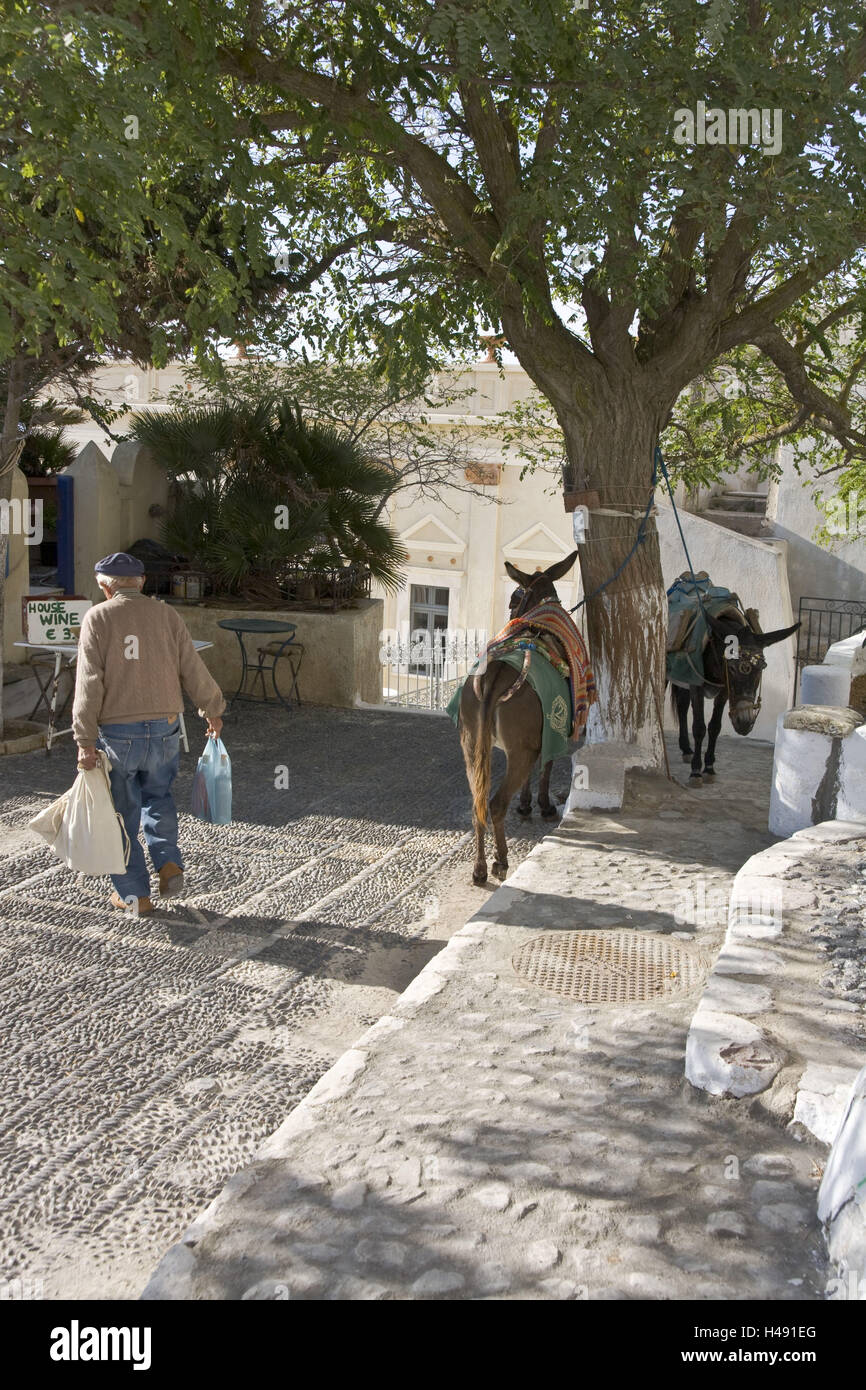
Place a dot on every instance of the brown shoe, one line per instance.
(170, 880)
(144, 904)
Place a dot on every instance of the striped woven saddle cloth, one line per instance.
(532, 632)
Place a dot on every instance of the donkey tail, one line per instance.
(482, 750)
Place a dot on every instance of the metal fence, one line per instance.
(422, 670)
(823, 622)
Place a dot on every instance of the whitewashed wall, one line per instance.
(113, 499)
(814, 570)
(96, 497)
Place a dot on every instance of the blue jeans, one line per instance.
(144, 760)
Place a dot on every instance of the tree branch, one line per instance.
(741, 328)
(318, 268)
(829, 415)
(455, 201)
(851, 379)
(499, 164)
(813, 332)
(757, 441)
(549, 130)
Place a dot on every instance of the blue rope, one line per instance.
(639, 540)
(658, 465)
(661, 464)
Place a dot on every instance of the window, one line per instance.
(428, 608)
(428, 613)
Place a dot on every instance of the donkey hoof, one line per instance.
(696, 780)
(498, 870)
(709, 772)
(479, 876)
(549, 812)
(524, 810)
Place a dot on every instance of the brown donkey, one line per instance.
(515, 724)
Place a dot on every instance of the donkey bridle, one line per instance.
(744, 665)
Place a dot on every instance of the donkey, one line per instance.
(514, 722)
(732, 677)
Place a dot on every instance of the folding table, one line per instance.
(52, 684)
(48, 690)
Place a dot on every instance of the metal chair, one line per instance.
(293, 653)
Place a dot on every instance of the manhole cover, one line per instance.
(609, 967)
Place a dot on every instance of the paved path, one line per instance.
(490, 1139)
(145, 1061)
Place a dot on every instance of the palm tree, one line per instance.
(46, 452)
(260, 490)
(46, 449)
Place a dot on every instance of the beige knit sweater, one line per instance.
(118, 681)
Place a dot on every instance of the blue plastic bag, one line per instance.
(212, 784)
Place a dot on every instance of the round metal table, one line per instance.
(242, 627)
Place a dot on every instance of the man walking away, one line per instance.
(135, 658)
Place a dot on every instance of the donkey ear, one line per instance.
(768, 639)
(753, 619)
(524, 580)
(561, 567)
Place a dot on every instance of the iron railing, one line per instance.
(331, 588)
(296, 583)
(422, 670)
(823, 622)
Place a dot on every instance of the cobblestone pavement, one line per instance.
(145, 1061)
(490, 1139)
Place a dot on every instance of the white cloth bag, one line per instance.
(82, 826)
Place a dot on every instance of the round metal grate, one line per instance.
(609, 967)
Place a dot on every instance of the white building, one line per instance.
(459, 541)
(457, 546)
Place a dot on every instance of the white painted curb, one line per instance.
(842, 1195)
(727, 1054)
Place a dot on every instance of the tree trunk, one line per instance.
(626, 622)
(611, 412)
(11, 444)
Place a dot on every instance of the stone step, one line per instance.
(598, 775)
(746, 523)
(739, 502)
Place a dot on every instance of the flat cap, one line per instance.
(118, 564)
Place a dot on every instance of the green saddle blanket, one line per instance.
(551, 689)
(688, 630)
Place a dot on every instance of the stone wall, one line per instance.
(341, 657)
